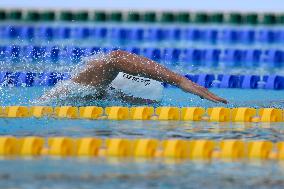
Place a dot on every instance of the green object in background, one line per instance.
(235, 18)
(200, 17)
(251, 18)
(32, 15)
(100, 16)
(47, 16)
(269, 19)
(216, 17)
(183, 17)
(149, 17)
(281, 19)
(15, 15)
(66, 16)
(81, 16)
(2, 14)
(116, 16)
(133, 17)
(167, 17)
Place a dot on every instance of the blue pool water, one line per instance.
(81, 173)
(128, 173)
(171, 97)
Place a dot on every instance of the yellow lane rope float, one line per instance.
(215, 114)
(202, 149)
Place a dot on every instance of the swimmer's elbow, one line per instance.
(119, 59)
(116, 54)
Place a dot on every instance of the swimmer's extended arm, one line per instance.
(105, 70)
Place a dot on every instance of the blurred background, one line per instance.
(225, 5)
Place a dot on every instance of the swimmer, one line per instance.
(98, 74)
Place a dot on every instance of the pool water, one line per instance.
(124, 173)
(257, 98)
(109, 173)
(130, 173)
(81, 173)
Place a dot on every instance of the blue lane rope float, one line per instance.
(188, 57)
(28, 79)
(206, 35)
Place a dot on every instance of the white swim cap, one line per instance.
(138, 86)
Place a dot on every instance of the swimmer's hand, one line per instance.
(191, 87)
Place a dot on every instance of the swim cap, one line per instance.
(138, 86)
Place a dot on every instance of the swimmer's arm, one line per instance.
(121, 61)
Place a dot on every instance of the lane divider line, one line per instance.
(231, 149)
(215, 114)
